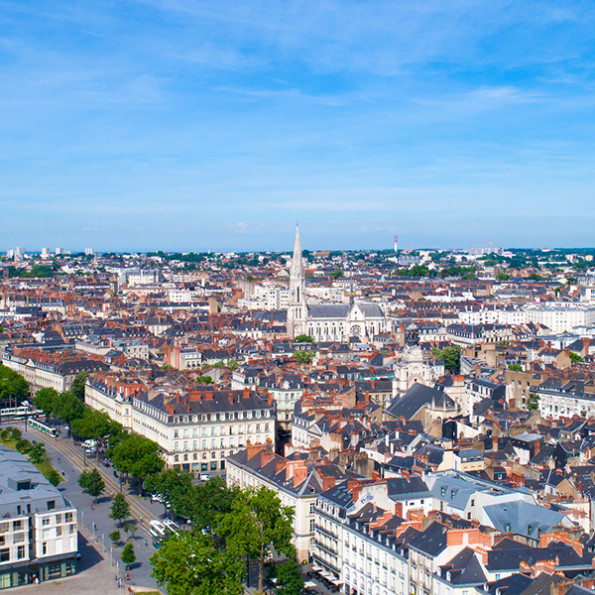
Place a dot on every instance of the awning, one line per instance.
(316, 568)
(310, 584)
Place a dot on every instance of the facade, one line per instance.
(197, 430)
(328, 322)
(58, 375)
(38, 526)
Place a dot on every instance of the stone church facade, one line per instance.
(328, 322)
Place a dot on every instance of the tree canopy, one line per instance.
(91, 483)
(12, 385)
(137, 456)
(256, 524)
(120, 508)
(192, 564)
(451, 356)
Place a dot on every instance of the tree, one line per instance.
(36, 452)
(515, 367)
(289, 578)
(137, 456)
(233, 364)
(257, 524)
(92, 483)
(46, 399)
(192, 564)
(204, 379)
(78, 385)
(337, 273)
(128, 556)
(451, 356)
(533, 402)
(130, 529)
(92, 424)
(304, 357)
(574, 357)
(53, 476)
(207, 504)
(69, 407)
(303, 339)
(12, 385)
(115, 536)
(120, 509)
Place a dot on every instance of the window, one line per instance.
(312, 526)
(4, 555)
(312, 505)
(45, 522)
(21, 552)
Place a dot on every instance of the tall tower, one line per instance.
(396, 243)
(296, 309)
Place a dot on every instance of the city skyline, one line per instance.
(187, 126)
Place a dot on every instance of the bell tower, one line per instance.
(296, 309)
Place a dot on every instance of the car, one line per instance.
(204, 477)
(158, 498)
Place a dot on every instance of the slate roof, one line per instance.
(417, 397)
(523, 518)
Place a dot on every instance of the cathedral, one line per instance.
(328, 322)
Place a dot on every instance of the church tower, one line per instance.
(296, 309)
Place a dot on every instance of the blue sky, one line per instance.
(201, 125)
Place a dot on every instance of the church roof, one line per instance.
(328, 310)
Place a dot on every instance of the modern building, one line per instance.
(38, 526)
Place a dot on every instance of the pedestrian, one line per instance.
(141, 518)
(146, 543)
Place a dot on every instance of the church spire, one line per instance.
(297, 263)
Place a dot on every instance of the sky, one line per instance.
(187, 125)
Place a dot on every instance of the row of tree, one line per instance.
(230, 525)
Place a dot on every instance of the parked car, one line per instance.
(204, 477)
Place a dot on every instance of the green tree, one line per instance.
(289, 578)
(69, 407)
(93, 424)
(337, 273)
(120, 509)
(303, 339)
(46, 399)
(53, 476)
(92, 483)
(304, 357)
(128, 555)
(515, 367)
(257, 524)
(207, 503)
(115, 537)
(137, 456)
(574, 357)
(451, 356)
(502, 276)
(36, 452)
(78, 385)
(12, 385)
(204, 379)
(533, 402)
(174, 486)
(233, 364)
(192, 564)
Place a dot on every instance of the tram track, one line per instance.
(140, 513)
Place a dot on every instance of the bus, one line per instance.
(162, 530)
(38, 425)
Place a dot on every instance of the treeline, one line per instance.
(228, 526)
(132, 454)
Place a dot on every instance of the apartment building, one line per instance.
(38, 526)
(196, 429)
(44, 370)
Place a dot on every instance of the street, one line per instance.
(69, 460)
